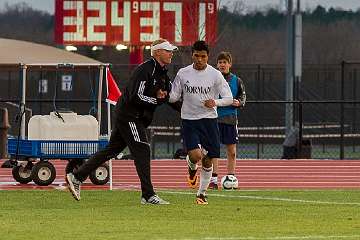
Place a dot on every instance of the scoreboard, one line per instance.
(134, 22)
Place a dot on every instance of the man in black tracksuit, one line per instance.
(149, 86)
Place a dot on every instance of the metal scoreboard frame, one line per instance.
(134, 22)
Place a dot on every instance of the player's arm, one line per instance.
(141, 90)
(176, 90)
(225, 93)
(241, 94)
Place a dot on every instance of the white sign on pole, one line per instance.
(66, 83)
(43, 86)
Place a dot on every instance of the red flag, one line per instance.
(113, 90)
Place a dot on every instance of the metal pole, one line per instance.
(298, 44)
(108, 105)
(300, 104)
(342, 110)
(298, 71)
(257, 111)
(99, 100)
(109, 127)
(289, 83)
(40, 90)
(354, 118)
(22, 105)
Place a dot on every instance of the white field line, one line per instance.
(268, 198)
(308, 237)
(312, 237)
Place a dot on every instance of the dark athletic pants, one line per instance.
(129, 133)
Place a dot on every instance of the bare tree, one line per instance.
(20, 21)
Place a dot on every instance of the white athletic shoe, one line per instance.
(155, 200)
(73, 185)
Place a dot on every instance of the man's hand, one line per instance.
(210, 103)
(236, 103)
(161, 94)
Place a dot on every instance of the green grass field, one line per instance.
(39, 214)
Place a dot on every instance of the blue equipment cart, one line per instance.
(43, 172)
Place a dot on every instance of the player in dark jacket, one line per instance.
(149, 87)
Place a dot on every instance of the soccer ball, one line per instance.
(229, 182)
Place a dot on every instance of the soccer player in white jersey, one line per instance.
(200, 85)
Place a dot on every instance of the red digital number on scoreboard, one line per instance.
(131, 22)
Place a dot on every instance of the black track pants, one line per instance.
(125, 133)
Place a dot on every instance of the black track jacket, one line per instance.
(139, 97)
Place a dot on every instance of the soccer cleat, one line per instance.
(154, 200)
(73, 185)
(201, 199)
(213, 186)
(192, 179)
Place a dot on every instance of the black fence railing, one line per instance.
(262, 136)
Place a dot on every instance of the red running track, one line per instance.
(252, 174)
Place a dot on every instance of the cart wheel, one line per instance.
(22, 174)
(43, 173)
(101, 175)
(73, 164)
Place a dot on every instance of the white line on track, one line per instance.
(268, 198)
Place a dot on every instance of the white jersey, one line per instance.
(195, 86)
